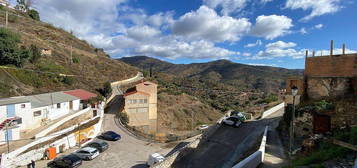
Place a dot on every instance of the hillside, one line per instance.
(222, 84)
(90, 66)
(264, 78)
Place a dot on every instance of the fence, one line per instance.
(273, 110)
(257, 157)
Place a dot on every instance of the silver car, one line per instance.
(87, 153)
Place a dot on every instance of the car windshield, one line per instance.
(72, 158)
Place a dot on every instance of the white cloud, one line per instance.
(142, 32)
(336, 51)
(317, 7)
(280, 49)
(271, 26)
(318, 26)
(246, 54)
(257, 43)
(280, 44)
(265, 1)
(303, 30)
(206, 24)
(227, 6)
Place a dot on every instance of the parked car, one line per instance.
(67, 161)
(238, 114)
(155, 158)
(100, 145)
(87, 153)
(203, 127)
(232, 121)
(110, 136)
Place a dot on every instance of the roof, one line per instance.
(8, 101)
(46, 99)
(135, 92)
(81, 94)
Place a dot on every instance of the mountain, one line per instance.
(90, 67)
(264, 78)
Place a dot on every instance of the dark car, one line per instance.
(67, 161)
(100, 145)
(110, 136)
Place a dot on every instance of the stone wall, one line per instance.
(328, 87)
(331, 66)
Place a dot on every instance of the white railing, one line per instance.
(273, 110)
(54, 126)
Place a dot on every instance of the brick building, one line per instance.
(141, 106)
(332, 77)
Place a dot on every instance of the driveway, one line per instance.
(227, 145)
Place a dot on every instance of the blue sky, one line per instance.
(256, 32)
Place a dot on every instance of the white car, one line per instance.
(155, 158)
(87, 153)
(203, 127)
(232, 121)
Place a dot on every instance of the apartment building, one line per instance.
(141, 106)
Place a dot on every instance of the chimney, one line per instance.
(331, 48)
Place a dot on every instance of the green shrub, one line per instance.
(34, 14)
(76, 60)
(107, 90)
(68, 80)
(34, 53)
(10, 53)
(51, 67)
(124, 118)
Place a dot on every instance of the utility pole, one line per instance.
(71, 59)
(7, 138)
(6, 18)
(192, 120)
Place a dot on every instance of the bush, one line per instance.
(68, 80)
(124, 118)
(10, 53)
(76, 60)
(34, 53)
(107, 90)
(34, 14)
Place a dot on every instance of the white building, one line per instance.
(4, 3)
(30, 112)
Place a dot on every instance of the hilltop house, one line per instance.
(141, 106)
(30, 112)
(4, 3)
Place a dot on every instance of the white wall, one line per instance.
(76, 104)
(55, 113)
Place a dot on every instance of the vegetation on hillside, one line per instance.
(33, 73)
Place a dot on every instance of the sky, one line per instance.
(256, 32)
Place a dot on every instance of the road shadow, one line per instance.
(140, 165)
(176, 148)
(115, 105)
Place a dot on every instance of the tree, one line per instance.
(34, 14)
(107, 90)
(10, 53)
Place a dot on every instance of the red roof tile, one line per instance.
(82, 94)
(135, 91)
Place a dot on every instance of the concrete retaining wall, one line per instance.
(177, 155)
(257, 157)
(273, 110)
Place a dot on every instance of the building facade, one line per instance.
(141, 106)
(25, 113)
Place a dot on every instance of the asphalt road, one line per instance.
(226, 145)
(127, 152)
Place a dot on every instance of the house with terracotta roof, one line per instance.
(141, 106)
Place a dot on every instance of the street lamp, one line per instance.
(294, 92)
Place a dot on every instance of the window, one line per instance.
(134, 101)
(132, 110)
(145, 100)
(58, 105)
(37, 113)
(95, 113)
(23, 105)
(142, 110)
